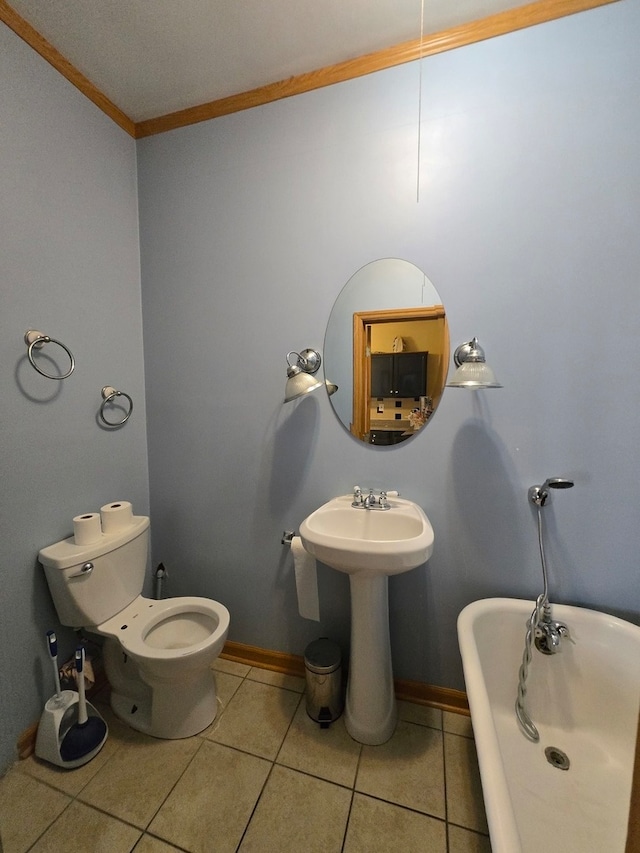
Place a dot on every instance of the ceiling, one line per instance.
(154, 57)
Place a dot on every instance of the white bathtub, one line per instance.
(583, 700)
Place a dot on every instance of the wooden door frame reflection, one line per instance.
(362, 320)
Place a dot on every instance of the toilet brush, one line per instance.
(58, 700)
(87, 734)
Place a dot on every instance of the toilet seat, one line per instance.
(145, 627)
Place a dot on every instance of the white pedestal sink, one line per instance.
(369, 545)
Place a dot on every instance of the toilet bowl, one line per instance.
(169, 645)
(157, 653)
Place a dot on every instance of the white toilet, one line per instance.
(157, 654)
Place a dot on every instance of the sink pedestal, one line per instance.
(370, 708)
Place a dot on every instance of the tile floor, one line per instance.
(263, 777)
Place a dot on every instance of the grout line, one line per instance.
(159, 838)
(293, 716)
(171, 790)
(44, 831)
(255, 806)
(348, 821)
(319, 778)
(444, 783)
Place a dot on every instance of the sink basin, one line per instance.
(368, 542)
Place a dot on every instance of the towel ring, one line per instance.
(108, 395)
(36, 340)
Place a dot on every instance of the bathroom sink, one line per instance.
(369, 545)
(368, 542)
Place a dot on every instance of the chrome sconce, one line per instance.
(472, 370)
(301, 374)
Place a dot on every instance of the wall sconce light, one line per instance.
(300, 375)
(473, 372)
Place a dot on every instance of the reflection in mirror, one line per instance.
(387, 348)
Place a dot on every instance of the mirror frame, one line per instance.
(361, 425)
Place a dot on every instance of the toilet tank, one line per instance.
(86, 599)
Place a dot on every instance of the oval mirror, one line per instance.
(387, 349)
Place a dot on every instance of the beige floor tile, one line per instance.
(329, 753)
(210, 806)
(465, 841)
(256, 719)
(422, 715)
(277, 679)
(149, 844)
(379, 827)
(298, 812)
(226, 686)
(82, 828)
(134, 783)
(457, 724)
(407, 770)
(231, 667)
(465, 805)
(20, 795)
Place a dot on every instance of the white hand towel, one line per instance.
(306, 580)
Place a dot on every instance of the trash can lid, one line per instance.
(322, 656)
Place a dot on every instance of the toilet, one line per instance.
(157, 653)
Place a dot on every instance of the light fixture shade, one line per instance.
(300, 383)
(473, 372)
(474, 375)
(331, 387)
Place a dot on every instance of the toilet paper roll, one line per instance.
(87, 528)
(116, 517)
(306, 580)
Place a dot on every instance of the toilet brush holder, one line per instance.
(58, 718)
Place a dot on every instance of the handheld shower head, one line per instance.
(539, 495)
(557, 483)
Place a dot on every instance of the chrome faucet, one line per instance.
(371, 501)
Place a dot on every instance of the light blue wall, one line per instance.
(70, 267)
(250, 225)
(527, 225)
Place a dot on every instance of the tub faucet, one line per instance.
(549, 633)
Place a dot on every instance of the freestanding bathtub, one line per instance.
(584, 701)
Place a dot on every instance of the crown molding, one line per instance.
(531, 14)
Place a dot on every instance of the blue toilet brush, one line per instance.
(87, 734)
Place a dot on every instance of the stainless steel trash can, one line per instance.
(323, 671)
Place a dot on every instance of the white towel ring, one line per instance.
(109, 394)
(36, 340)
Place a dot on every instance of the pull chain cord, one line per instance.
(541, 611)
(420, 101)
